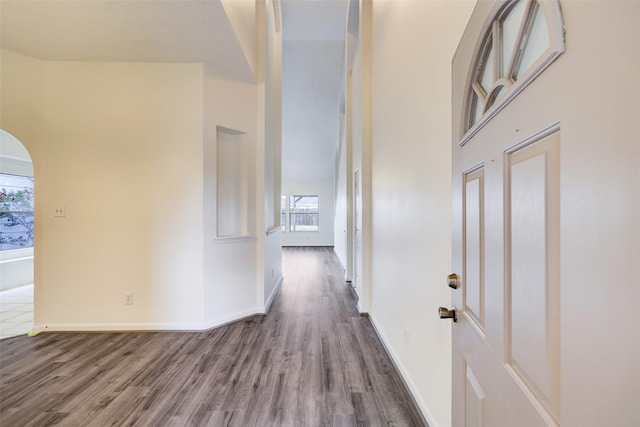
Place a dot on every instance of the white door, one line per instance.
(546, 193)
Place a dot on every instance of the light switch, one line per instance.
(59, 211)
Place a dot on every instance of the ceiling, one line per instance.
(199, 31)
(181, 31)
(312, 78)
(314, 19)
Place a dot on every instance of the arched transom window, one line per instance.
(521, 39)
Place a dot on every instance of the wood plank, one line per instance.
(312, 361)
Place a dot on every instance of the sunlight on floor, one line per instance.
(16, 311)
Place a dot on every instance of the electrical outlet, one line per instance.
(128, 299)
(59, 211)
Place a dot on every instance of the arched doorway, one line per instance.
(16, 237)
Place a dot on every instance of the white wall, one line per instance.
(272, 272)
(342, 224)
(326, 205)
(270, 120)
(123, 154)
(311, 86)
(125, 147)
(412, 45)
(229, 264)
(242, 17)
(358, 136)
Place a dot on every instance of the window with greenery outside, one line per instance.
(16, 212)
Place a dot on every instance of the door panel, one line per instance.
(533, 262)
(508, 333)
(474, 247)
(474, 401)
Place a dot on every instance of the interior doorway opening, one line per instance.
(16, 237)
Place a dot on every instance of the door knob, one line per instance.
(448, 314)
(454, 281)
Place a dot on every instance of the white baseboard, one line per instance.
(274, 292)
(118, 327)
(417, 397)
(225, 320)
(131, 327)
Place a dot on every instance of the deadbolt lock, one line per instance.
(454, 281)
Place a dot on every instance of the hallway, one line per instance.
(312, 361)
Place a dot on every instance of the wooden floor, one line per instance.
(312, 361)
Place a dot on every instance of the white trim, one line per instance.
(413, 390)
(230, 131)
(143, 327)
(116, 327)
(231, 318)
(233, 239)
(16, 254)
(535, 138)
(273, 229)
(17, 166)
(16, 159)
(4, 261)
(274, 292)
(531, 396)
(277, 13)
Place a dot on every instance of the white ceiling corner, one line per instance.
(177, 31)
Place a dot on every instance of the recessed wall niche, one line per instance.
(232, 182)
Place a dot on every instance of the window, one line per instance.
(16, 212)
(303, 213)
(522, 38)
